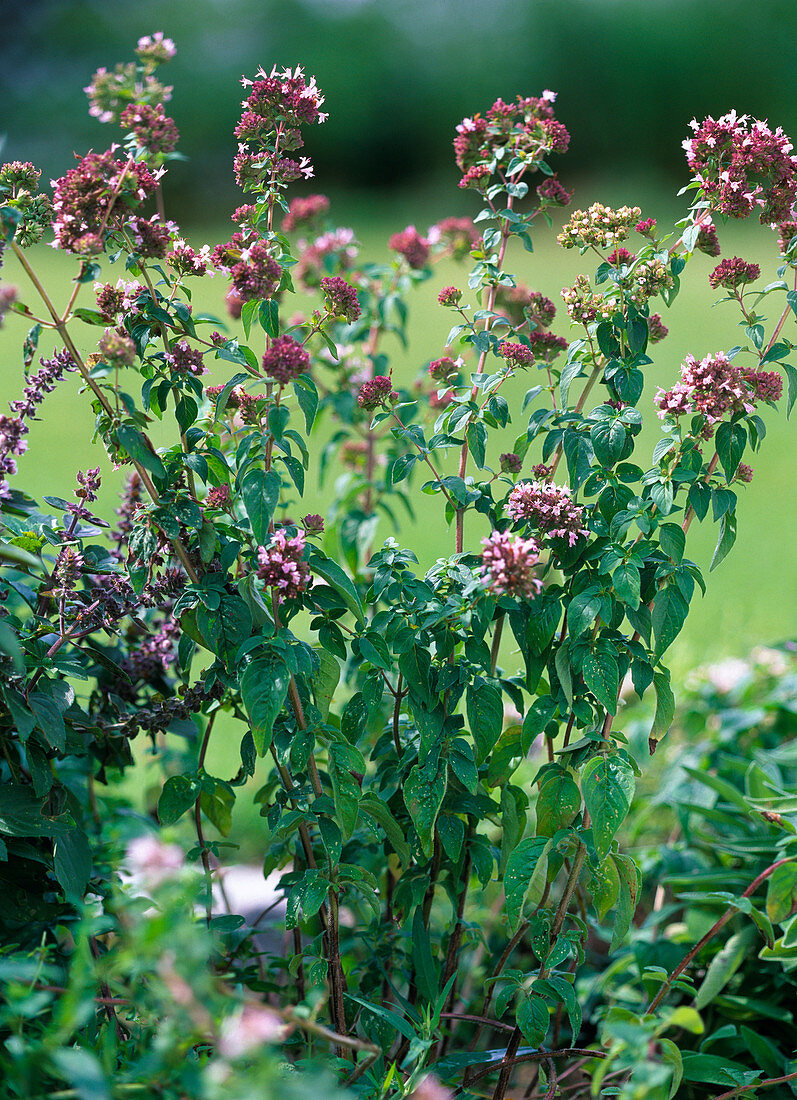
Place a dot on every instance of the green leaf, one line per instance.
(727, 537)
(227, 627)
(343, 760)
(269, 317)
(49, 719)
(601, 675)
(669, 615)
(608, 441)
(260, 491)
(476, 437)
(608, 785)
(782, 892)
(665, 705)
(21, 814)
(730, 442)
(558, 802)
(671, 1055)
(423, 794)
(627, 583)
(485, 717)
(264, 686)
(402, 1026)
(604, 885)
(72, 863)
(527, 865)
(426, 973)
(372, 805)
(224, 396)
(325, 680)
(582, 611)
(673, 541)
(725, 964)
(533, 1019)
(178, 795)
(81, 1069)
(630, 884)
(332, 573)
(133, 442)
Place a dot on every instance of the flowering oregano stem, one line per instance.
(726, 916)
(463, 455)
(63, 332)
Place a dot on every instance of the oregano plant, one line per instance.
(444, 771)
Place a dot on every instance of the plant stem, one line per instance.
(770, 1081)
(200, 836)
(497, 632)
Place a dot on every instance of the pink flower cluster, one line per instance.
(186, 261)
(280, 564)
(507, 565)
(711, 387)
(741, 163)
(443, 370)
(248, 262)
(517, 355)
(553, 193)
(279, 103)
(657, 330)
(285, 360)
(412, 246)
(449, 296)
(156, 48)
(116, 348)
(549, 509)
(377, 392)
(218, 497)
(14, 428)
(8, 296)
(152, 127)
(304, 210)
(526, 126)
(87, 196)
(341, 298)
(733, 273)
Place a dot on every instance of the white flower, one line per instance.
(249, 1028)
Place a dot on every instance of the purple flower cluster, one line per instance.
(285, 360)
(155, 654)
(507, 565)
(549, 509)
(443, 370)
(341, 298)
(376, 393)
(733, 273)
(247, 261)
(185, 360)
(412, 246)
(150, 237)
(553, 193)
(546, 345)
(510, 463)
(67, 569)
(767, 385)
(280, 564)
(338, 247)
(711, 387)
(517, 355)
(14, 428)
(313, 523)
(218, 497)
(87, 196)
(110, 93)
(304, 211)
(526, 127)
(657, 330)
(152, 127)
(707, 241)
(741, 163)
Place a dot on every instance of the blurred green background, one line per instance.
(398, 77)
